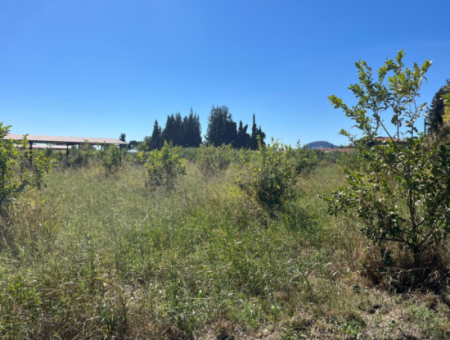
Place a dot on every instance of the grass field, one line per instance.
(95, 256)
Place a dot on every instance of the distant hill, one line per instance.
(321, 145)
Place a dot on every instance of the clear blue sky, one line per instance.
(96, 68)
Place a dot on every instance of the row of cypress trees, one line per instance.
(221, 129)
(185, 131)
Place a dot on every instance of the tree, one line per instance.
(404, 197)
(242, 138)
(178, 133)
(436, 111)
(446, 97)
(147, 141)
(193, 130)
(261, 135)
(122, 137)
(156, 141)
(181, 131)
(132, 144)
(255, 133)
(221, 127)
(169, 132)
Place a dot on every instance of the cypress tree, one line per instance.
(181, 131)
(169, 130)
(177, 138)
(221, 127)
(436, 110)
(261, 135)
(155, 142)
(192, 130)
(243, 138)
(254, 140)
(196, 130)
(185, 136)
(255, 133)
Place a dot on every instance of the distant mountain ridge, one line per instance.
(321, 145)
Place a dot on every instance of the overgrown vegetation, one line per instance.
(94, 256)
(250, 252)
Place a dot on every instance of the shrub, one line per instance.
(77, 158)
(8, 160)
(303, 159)
(353, 160)
(163, 167)
(81, 156)
(243, 156)
(212, 160)
(269, 176)
(446, 99)
(110, 158)
(31, 169)
(189, 153)
(42, 165)
(141, 149)
(33, 164)
(405, 197)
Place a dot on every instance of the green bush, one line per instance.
(353, 161)
(405, 197)
(269, 176)
(42, 165)
(303, 159)
(242, 156)
(77, 158)
(140, 155)
(212, 160)
(82, 156)
(190, 153)
(32, 166)
(8, 160)
(110, 158)
(163, 166)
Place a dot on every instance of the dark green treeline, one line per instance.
(221, 129)
(180, 131)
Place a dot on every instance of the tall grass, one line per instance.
(95, 256)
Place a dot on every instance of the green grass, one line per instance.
(90, 256)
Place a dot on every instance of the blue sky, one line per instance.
(96, 68)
